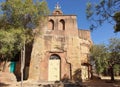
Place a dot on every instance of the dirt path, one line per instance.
(102, 83)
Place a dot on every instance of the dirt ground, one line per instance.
(8, 80)
(90, 83)
(102, 83)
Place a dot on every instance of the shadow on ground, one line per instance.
(102, 83)
(62, 84)
(3, 84)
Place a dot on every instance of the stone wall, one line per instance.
(71, 44)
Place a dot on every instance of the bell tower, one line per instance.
(61, 24)
(57, 10)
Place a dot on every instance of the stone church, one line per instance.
(60, 50)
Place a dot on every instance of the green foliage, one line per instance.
(105, 56)
(117, 16)
(104, 10)
(114, 49)
(117, 20)
(99, 57)
(10, 41)
(117, 69)
(23, 13)
(18, 18)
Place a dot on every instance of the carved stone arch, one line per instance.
(55, 56)
(51, 24)
(61, 24)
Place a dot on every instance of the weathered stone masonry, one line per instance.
(60, 50)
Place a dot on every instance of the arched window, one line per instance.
(51, 25)
(62, 25)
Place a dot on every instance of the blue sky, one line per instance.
(77, 7)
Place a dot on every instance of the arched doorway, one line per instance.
(54, 68)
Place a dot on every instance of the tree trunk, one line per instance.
(4, 66)
(22, 63)
(91, 72)
(22, 67)
(112, 73)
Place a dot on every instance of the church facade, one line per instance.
(60, 50)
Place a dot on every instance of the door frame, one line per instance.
(55, 57)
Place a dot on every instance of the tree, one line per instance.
(10, 43)
(98, 57)
(18, 19)
(105, 10)
(106, 57)
(114, 57)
